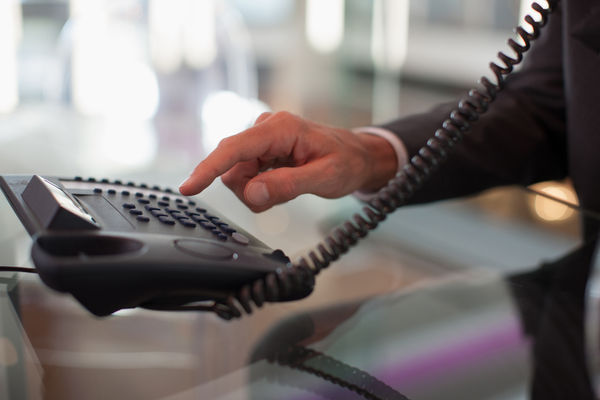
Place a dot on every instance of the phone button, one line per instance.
(200, 248)
(241, 239)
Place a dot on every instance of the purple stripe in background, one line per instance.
(460, 356)
(471, 351)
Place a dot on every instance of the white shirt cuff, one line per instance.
(397, 145)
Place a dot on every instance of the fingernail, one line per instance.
(257, 193)
(184, 182)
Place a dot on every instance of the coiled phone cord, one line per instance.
(277, 286)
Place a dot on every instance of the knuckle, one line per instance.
(283, 115)
(228, 180)
(225, 142)
(287, 189)
(331, 167)
(213, 172)
(262, 117)
(288, 118)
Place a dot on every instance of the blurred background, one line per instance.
(143, 90)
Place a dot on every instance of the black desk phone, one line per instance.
(115, 245)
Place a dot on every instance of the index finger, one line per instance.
(245, 146)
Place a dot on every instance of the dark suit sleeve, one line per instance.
(519, 140)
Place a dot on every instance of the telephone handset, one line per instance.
(118, 246)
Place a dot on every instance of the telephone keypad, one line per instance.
(169, 210)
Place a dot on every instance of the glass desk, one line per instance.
(499, 309)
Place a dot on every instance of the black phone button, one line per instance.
(141, 218)
(166, 220)
(128, 205)
(206, 224)
(200, 248)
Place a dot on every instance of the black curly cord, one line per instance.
(343, 375)
(277, 286)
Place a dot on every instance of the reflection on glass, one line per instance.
(20, 370)
(550, 210)
(476, 336)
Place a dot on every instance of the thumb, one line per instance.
(282, 184)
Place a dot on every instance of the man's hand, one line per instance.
(283, 156)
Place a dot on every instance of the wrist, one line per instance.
(382, 161)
